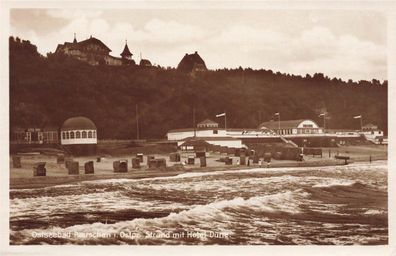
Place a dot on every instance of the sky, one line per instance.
(346, 44)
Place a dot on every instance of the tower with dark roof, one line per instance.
(126, 53)
(75, 40)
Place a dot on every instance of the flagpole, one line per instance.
(361, 123)
(137, 122)
(195, 131)
(279, 122)
(225, 121)
(324, 122)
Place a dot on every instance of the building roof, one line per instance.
(145, 63)
(182, 130)
(191, 61)
(126, 52)
(83, 44)
(95, 41)
(286, 124)
(195, 142)
(207, 121)
(370, 125)
(196, 129)
(215, 138)
(78, 123)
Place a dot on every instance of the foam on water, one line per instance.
(222, 212)
(253, 206)
(334, 182)
(106, 201)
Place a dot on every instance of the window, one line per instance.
(94, 134)
(71, 135)
(84, 134)
(215, 131)
(67, 135)
(90, 134)
(78, 134)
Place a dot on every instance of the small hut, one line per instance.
(195, 145)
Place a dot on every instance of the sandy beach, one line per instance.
(57, 174)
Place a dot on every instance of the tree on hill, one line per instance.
(48, 90)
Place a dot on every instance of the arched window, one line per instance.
(84, 134)
(94, 134)
(63, 135)
(71, 135)
(78, 134)
(67, 135)
(90, 134)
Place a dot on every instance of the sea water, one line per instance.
(337, 205)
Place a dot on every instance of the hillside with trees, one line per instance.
(44, 91)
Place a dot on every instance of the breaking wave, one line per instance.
(326, 205)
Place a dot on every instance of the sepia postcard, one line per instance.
(147, 127)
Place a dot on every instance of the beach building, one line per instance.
(207, 131)
(217, 141)
(369, 127)
(207, 123)
(50, 135)
(94, 52)
(373, 134)
(79, 136)
(292, 127)
(301, 132)
(181, 134)
(34, 136)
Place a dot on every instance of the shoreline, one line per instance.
(49, 181)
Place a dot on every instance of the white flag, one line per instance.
(222, 114)
(277, 114)
(322, 114)
(357, 117)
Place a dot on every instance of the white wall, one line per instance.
(371, 135)
(227, 143)
(199, 133)
(224, 143)
(79, 140)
